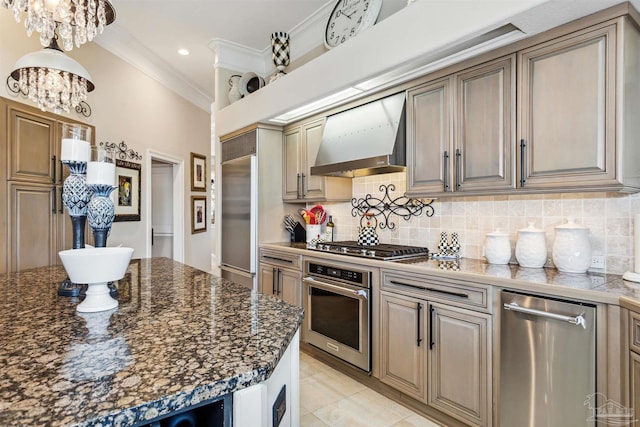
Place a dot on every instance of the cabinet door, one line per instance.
(459, 375)
(33, 220)
(634, 369)
(403, 344)
(429, 138)
(566, 111)
(292, 153)
(32, 147)
(313, 186)
(483, 158)
(267, 279)
(290, 286)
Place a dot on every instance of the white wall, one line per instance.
(129, 106)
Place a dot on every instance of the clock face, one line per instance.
(348, 18)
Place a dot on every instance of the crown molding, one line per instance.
(236, 57)
(304, 37)
(130, 50)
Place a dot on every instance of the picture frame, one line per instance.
(198, 214)
(126, 197)
(198, 172)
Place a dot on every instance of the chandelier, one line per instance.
(52, 80)
(77, 21)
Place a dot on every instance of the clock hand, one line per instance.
(347, 15)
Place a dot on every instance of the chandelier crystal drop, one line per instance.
(76, 21)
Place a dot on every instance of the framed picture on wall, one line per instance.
(198, 214)
(126, 198)
(198, 172)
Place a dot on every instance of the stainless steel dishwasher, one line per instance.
(548, 361)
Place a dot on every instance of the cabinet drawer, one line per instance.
(634, 328)
(283, 259)
(437, 289)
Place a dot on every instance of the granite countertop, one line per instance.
(179, 337)
(595, 287)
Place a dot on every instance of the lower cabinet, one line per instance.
(438, 354)
(459, 370)
(280, 274)
(403, 345)
(283, 283)
(634, 368)
(39, 225)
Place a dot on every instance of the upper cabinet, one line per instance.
(301, 143)
(575, 99)
(571, 129)
(460, 130)
(32, 146)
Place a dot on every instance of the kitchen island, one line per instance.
(179, 338)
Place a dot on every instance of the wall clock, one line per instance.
(348, 18)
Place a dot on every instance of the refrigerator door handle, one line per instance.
(577, 320)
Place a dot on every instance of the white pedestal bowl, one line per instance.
(96, 267)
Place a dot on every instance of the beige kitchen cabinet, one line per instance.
(458, 359)
(460, 132)
(435, 344)
(37, 226)
(634, 366)
(577, 105)
(300, 148)
(634, 361)
(280, 274)
(403, 344)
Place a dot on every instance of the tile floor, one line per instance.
(330, 398)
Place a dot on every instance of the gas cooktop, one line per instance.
(380, 252)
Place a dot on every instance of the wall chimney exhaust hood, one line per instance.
(365, 140)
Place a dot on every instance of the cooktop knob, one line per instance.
(372, 253)
(343, 249)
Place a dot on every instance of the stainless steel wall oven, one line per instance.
(337, 303)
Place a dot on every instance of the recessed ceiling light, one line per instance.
(183, 52)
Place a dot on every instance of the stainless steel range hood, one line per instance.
(366, 140)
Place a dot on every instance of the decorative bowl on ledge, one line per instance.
(96, 267)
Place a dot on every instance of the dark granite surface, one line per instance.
(179, 337)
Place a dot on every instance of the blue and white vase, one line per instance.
(101, 213)
(75, 197)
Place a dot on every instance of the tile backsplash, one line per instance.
(609, 217)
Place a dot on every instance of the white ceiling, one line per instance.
(161, 27)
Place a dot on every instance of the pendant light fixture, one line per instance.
(76, 21)
(52, 80)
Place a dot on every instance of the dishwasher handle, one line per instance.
(577, 320)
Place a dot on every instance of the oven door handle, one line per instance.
(359, 293)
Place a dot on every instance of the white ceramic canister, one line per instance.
(531, 247)
(572, 248)
(497, 247)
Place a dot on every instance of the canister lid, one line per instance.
(531, 228)
(497, 233)
(570, 225)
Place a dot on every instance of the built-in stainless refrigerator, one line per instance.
(238, 227)
(251, 207)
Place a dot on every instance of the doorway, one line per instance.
(165, 206)
(161, 209)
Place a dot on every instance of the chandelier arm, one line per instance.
(83, 108)
(14, 86)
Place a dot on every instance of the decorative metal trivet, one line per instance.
(401, 206)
